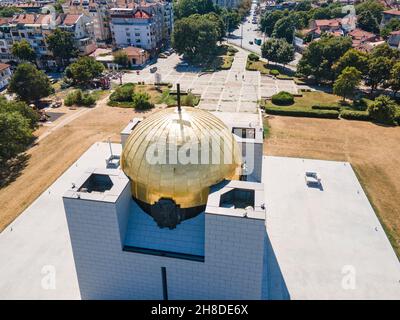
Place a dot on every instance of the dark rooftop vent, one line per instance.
(238, 199)
(97, 183)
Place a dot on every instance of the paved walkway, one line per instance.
(233, 90)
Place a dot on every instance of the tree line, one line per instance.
(200, 24)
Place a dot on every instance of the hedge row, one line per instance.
(326, 107)
(311, 113)
(355, 115)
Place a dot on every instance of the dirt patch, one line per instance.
(372, 150)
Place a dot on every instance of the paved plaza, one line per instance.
(233, 90)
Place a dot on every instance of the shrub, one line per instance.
(361, 104)
(141, 101)
(326, 107)
(301, 112)
(253, 57)
(232, 49)
(383, 110)
(282, 98)
(189, 100)
(123, 93)
(274, 72)
(355, 115)
(79, 98)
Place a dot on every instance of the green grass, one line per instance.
(309, 99)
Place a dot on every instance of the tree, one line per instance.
(348, 80)
(8, 12)
(15, 135)
(22, 108)
(185, 8)
(61, 44)
(230, 19)
(284, 28)
(29, 83)
(269, 20)
(394, 81)
(319, 57)
(218, 22)
(378, 72)
(383, 50)
(23, 51)
(392, 25)
(84, 70)
(367, 22)
(303, 6)
(121, 58)
(278, 51)
(372, 6)
(383, 110)
(352, 58)
(195, 37)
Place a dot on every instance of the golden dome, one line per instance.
(178, 156)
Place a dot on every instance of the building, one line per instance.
(254, 227)
(364, 40)
(136, 56)
(146, 25)
(98, 11)
(81, 26)
(5, 75)
(34, 28)
(394, 40)
(227, 3)
(389, 15)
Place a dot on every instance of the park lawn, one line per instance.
(309, 99)
(259, 65)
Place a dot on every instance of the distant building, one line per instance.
(97, 10)
(81, 26)
(394, 40)
(136, 56)
(147, 25)
(364, 40)
(5, 75)
(34, 28)
(227, 3)
(390, 14)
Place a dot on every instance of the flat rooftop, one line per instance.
(327, 242)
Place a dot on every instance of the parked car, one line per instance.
(251, 42)
(153, 69)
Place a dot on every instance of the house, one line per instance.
(364, 40)
(136, 56)
(390, 14)
(5, 75)
(81, 26)
(394, 40)
(320, 26)
(98, 11)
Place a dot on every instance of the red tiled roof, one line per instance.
(4, 21)
(395, 33)
(361, 34)
(71, 19)
(24, 18)
(393, 12)
(141, 15)
(327, 23)
(133, 51)
(4, 66)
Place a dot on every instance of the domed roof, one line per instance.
(178, 155)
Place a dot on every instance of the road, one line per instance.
(248, 31)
